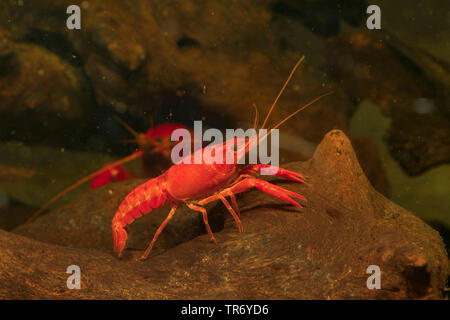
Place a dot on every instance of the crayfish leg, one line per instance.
(233, 212)
(160, 229)
(262, 185)
(267, 187)
(234, 203)
(255, 169)
(205, 219)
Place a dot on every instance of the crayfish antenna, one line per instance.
(260, 139)
(80, 182)
(282, 90)
(300, 109)
(294, 113)
(127, 126)
(246, 146)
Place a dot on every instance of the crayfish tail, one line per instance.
(120, 238)
(141, 201)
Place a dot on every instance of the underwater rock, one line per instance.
(425, 195)
(369, 158)
(319, 252)
(38, 89)
(410, 89)
(203, 63)
(188, 61)
(420, 142)
(6, 51)
(323, 17)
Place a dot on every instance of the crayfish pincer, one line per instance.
(197, 183)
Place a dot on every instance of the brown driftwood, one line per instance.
(319, 252)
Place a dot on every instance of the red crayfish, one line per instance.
(197, 184)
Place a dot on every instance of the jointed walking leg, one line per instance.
(161, 227)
